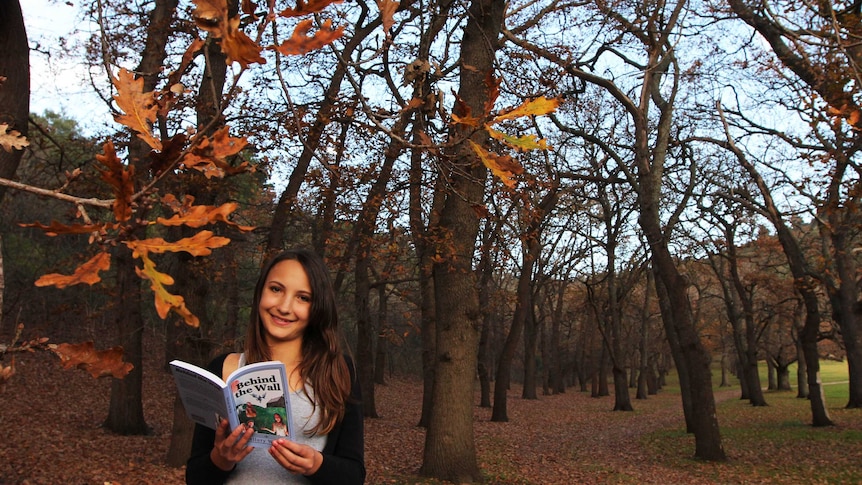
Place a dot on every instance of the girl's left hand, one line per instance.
(296, 458)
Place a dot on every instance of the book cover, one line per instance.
(256, 395)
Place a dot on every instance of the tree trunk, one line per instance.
(528, 391)
(125, 415)
(485, 359)
(523, 305)
(15, 91)
(183, 342)
(801, 365)
(126, 410)
(450, 451)
(805, 286)
(846, 308)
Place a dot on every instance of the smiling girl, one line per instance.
(295, 322)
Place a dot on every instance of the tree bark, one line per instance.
(15, 90)
(125, 414)
(450, 451)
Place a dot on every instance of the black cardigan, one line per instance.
(343, 455)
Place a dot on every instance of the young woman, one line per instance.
(279, 427)
(294, 320)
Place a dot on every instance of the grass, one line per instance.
(776, 444)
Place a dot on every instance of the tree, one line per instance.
(824, 57)
(659, 78)
(803, 281)
(450, 451)
(14, 88)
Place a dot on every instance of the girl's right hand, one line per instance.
(230, 448)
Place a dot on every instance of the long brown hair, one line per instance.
(323, 364)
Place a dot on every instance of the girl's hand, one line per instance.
(296, 458)
(230, 448)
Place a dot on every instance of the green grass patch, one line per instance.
(776, 443)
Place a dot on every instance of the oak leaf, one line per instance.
(86, 273)
(12, 139)
(121, 180)
(387, 13)
(201, 215)
(212, 16)
(210, 157)
(301, 43)
(56, 228)
(201, 244)
(503, 166)
(304, 8)
(523, 143)
(99, 363)
(535, 107)
(165, 301)
(137, 109)
(466, 117)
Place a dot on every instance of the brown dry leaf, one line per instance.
(56, 228)
(12, 139)
(86, 273)
(201, 215)
(6, 373)
(304, 8)
(212, 16)
(138, 109)
(387, 13)
(210, 157)
(301, 43)
(99, 363)
(120, 178)
(503, 166)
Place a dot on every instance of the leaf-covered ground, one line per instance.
(51, 433)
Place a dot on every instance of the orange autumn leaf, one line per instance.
(165, 301)
(503, 166)
(6, 373)
(238, 47)
(387, 13)
(301, 43)
(212, 16)
(201, 244)
(86, 273)
(304, 8)
(137, 109)
(211, 155)
(201, 215)
(99, 363)
(56, 228)
(121, 180)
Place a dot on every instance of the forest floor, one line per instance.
(51, 433)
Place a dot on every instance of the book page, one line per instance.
(203, 399)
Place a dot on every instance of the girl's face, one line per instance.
(277, 418)
(285, 303)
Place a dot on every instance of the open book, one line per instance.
(255, 395)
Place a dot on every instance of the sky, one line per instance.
(57, 83)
